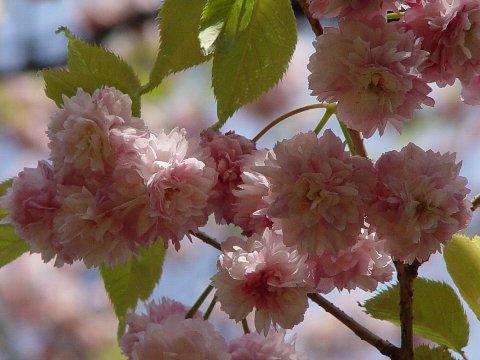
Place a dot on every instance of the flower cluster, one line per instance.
(378, 71)
(316, 217)
(165, 333)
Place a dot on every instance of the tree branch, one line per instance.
(384, 346)
(406, 274)
(314, 23)
(207, 239)
(475, 203)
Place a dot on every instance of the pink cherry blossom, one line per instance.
(80, 134)
(265, 275)
(156, 313)
(471, 91)
(179, 178)
(318, 191)
(351, 9)
(451, 34)
(178, 338)
(364, 265)
(32, 202)
(421, 202)
(373, 74)
(249, 203)
(228, 151)
(256, 346)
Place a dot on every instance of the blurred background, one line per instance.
(58, 314)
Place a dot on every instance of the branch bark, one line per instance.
(406, 274)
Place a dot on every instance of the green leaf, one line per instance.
(179, 43)
(423, 352)
(126, 284)
(214, 16)
(438, 314)
(462, 257)
(254, 49)
(11, 246)
(91, 67)
(4, 186)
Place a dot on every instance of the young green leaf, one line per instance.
(91, 67)
(438, 314)
(135, 281)
(423, 352)
(179, 43)
(253, 52)
(11, 246)
(462, 256)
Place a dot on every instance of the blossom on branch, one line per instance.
(318, 192)
(451, 35)
(372, 70)
(263, 274)
(363, 266)
(256, 346)
(227, 151)
(420, 204)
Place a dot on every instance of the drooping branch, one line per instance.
(384, 346)
(475, 203)
(206, 239)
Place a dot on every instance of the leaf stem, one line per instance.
(199, 302)
(406, 274)
(210, 308)
(246, 329)
(384, 346)
(328, 113)
(314, 23)
(348, 138)
(395, 16)
(287, 115)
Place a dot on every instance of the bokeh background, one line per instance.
(58, 314)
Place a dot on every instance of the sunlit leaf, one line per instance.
(179, 42)
(252, 52)
(462, 256)
(438, 314)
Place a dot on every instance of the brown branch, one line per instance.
(384, 346)
(475, 203)
(406, 274)
(207, 239)
(358, 143)
(314, 23)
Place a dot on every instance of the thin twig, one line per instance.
(199, 302)
(207, 239)
(246, 329)
(287, 115)
(314, 23)
(210, 308)
(406, 274)
(325, 118)
(384, 346)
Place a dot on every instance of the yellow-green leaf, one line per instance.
(438, 314)
(11, 246)
(462, 256)
(423, 352)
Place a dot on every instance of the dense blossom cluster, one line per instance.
(165, 330)
(378, 71)
(112, 186)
